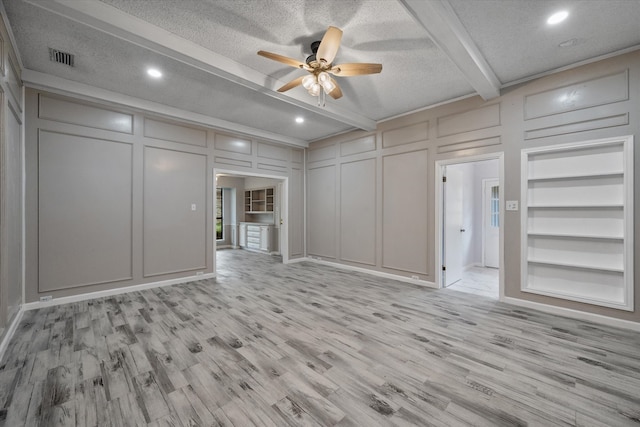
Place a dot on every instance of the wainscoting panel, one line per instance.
(232, 143)
(599, 91)
(174, 132)
(175, 234)
(480, 118)
(357, 146)
(296, 214)
(321, 211)
(405, 212)
(323, 153)
(268, 151)
(61, 110)
(358, 212)
(405, 135)
(85, 211)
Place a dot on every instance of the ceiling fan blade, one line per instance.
(329, 45)
(336, 92)
(280, 58)
(355, 69)
(292, 84)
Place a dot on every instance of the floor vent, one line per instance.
(61, 57)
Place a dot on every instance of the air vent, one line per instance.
(61, 57)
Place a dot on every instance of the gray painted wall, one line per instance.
(602, 100)
(116, 198)
(11, 157)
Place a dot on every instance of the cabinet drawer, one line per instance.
(255, 228)
(253, 233)
(253, 245)
(255, 240)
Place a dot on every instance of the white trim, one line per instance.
(11, 330)
(58, 85)
(485, 195)
(109, 292)
(397, 277)
(574, 314)
(439, 201)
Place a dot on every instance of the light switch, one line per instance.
(193, 206)
(512, 205)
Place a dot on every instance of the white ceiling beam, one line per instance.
(54, 84)
(447, 32)
(110, 20)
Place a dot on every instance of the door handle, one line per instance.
(462, 230)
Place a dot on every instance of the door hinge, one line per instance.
(444, 179)
(444, 268)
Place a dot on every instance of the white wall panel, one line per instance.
(65, 111)
(358, 212)
(321, 211)
(174, 132)
(175, 234)
(405, 212)
(84, 207)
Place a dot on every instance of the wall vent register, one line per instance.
(577, 222)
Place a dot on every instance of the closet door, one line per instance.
(577, 222)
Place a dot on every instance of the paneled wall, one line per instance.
(11, 159)
(117, 198)
(379, 188)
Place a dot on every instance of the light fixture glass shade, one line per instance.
(328, 86)
(323, 77)
(308, 81)
(314, 90)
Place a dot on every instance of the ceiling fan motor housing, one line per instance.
(314, 49)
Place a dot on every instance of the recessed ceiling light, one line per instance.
(154, 72)
(299, 119)
(557, 17)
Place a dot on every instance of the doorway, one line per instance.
(252, 213)
(469, 216)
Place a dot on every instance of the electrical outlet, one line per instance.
(45, 299)
(415, 277)
(199, 273)
(511, 205)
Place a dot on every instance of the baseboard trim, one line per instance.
(109, 292)
(11, 330)
(397, 277)
(575, 314)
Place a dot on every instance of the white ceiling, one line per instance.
(432, 52)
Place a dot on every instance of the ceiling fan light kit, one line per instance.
(320, 65)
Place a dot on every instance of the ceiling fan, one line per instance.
(320, 65)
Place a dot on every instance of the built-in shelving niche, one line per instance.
(577, 222)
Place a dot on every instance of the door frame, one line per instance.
(283, 208)
(484, 215)
(439, 210)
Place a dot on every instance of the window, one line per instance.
(495, 206)
(219, 209)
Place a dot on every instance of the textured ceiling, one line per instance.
(207, 51)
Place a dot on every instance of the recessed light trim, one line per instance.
(557, 17)
(154, 72)
(299, 120)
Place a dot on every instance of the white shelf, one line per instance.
(574, 236)
(577, 210)
(576, 176)
(578, 266)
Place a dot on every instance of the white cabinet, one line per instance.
(242, 234)
(256, 236)
(577, 222)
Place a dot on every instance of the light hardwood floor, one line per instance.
(269, 344)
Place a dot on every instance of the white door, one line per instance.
(491, 223)
(452, 226)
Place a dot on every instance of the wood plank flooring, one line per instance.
(267, 344)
